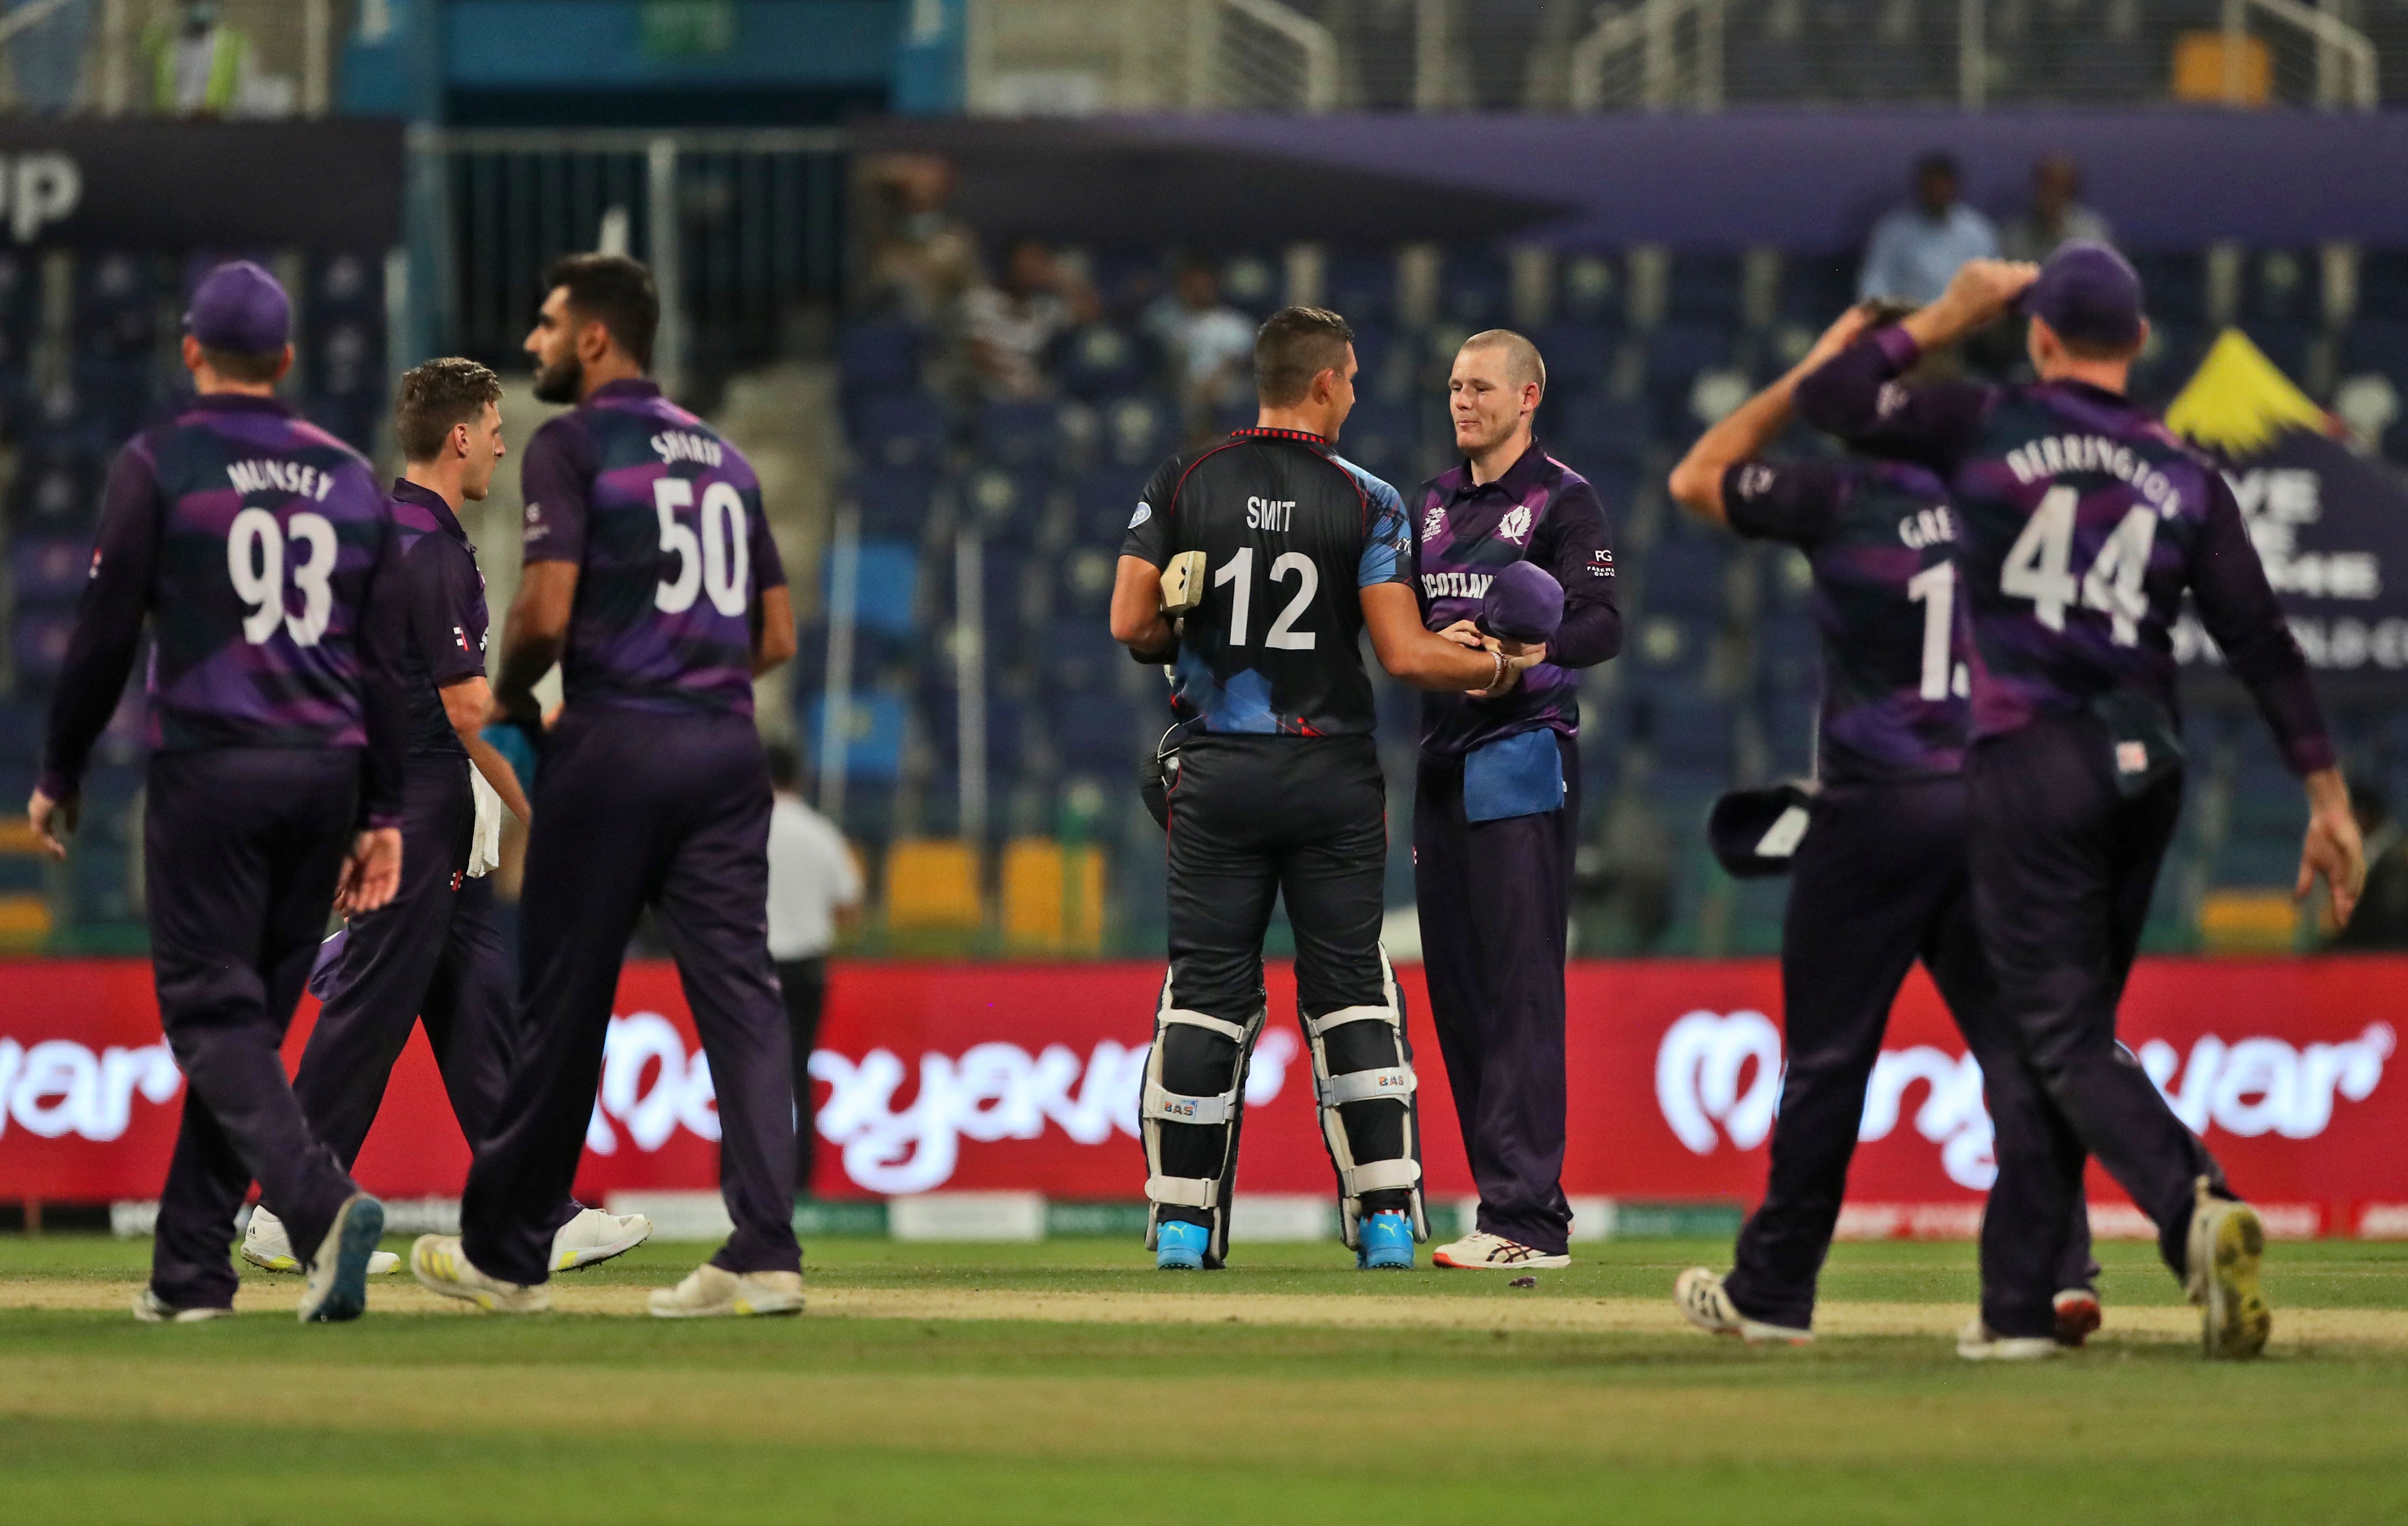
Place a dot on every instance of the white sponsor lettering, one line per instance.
(59, 1087)
(652, 1086)
(2256, 1087)
(2276, 503)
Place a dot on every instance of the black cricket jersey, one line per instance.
(1292, 532)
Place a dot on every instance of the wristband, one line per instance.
(1499, 682)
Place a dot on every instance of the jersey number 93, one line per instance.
(260, 550)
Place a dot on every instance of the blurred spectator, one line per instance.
(2382, 917)
(199, 65)
(2054, 214)
(46, 60)
(922, 258)
(1209, 343)
(814, 894)
(1917, 248)
(1008, 328)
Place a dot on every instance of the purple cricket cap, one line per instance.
(2087, 292)
(241, 308)
(1525, 603)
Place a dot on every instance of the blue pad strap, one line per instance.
(1521, 775)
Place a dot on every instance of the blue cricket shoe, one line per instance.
(1386, 1243)
(1180, 1246)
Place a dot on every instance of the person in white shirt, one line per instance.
(1209, 344)
(814, 892)
(1917, 247)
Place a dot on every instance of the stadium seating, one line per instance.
(1719, 678)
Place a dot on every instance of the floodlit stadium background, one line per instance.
(1671, 197)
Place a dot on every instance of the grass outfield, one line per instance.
(1066, 1382)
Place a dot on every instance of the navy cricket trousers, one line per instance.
(1495, 898)
(636, 808)
(1881, 881)
(433, 953)
(2063, 867)
(241, 850)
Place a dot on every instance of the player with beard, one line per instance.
(651, 577)
(435, 954)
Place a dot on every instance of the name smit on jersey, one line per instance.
(675, 445)
(286, 476)
(2059, 455)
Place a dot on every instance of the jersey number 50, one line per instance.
(719, 561)
(255, 560)
(2038, 566)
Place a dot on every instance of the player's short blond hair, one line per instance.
(1523, 363)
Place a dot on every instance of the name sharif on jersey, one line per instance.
(2058, 455)
(286, 476)
(674, 446)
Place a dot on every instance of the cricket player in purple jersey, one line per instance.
(2081, 521)
(258, 546)
(435, 954)
(1497, 805)
(651, 577)
(1879, 882)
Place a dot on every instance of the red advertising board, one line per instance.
(968, 1077)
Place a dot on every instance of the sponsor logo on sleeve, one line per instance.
(1144, 512)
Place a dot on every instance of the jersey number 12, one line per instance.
(2038, 566)
(1283, 636)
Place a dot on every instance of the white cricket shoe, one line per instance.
(151, 1309)
(1482, 1252)
(2228, 1243)
(709, 1291)
(441, 1266)
(1698, 1294)
(1977, 1342)
(266, 1246)
(594, 1237)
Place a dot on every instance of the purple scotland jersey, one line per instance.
(1539, 510)
(665, 519)
(2083, 519)
(441, 609)
(1882, 541)
(255, 541)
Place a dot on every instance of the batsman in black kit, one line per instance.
(1251, 568)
